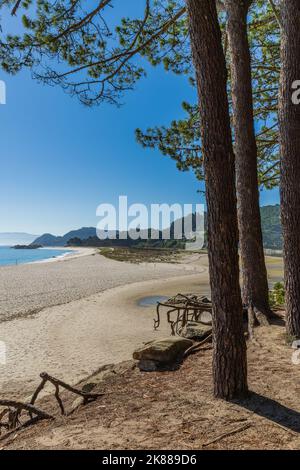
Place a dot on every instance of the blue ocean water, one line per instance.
(10, 256)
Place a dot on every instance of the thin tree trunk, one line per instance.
(289, 119)
(255, 280)
(229, 348)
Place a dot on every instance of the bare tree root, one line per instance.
(262, 317)
(180, 309)
(196, 347)
(256, 318)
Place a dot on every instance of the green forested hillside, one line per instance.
(87, 236)
(271, 227)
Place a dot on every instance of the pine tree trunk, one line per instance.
(255, 280)
(229, 348)
(289, 119)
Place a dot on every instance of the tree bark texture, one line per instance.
(229, 348)
(254, 273)
(289, 119)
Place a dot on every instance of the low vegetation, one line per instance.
(277, 295)
(143, 255)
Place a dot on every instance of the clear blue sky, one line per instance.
(60, 159)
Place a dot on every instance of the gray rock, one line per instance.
(195, 330)
(163, 351)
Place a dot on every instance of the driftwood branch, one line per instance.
(59, 383)
(39, 388)
(18, 405)
(59, 400)
(13, 409)
(13, 413)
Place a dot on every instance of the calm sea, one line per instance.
(10, 256)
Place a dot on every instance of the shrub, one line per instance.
(277, 295)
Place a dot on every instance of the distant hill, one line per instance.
(86, 236)
(47, 239)
(16, 238)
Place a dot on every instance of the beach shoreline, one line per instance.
(72, 253)
(52, 254)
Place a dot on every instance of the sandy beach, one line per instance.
(74, 315)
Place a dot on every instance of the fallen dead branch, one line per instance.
(13, 412)
(19, 407)
(226, 434)
(87, 397)
(13, 409)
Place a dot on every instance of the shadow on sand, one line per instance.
(271, 410)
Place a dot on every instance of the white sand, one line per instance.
(96, 319)
(28, 288)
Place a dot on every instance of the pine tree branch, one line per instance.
(276, 13)
(128, 53)
(15, 8)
